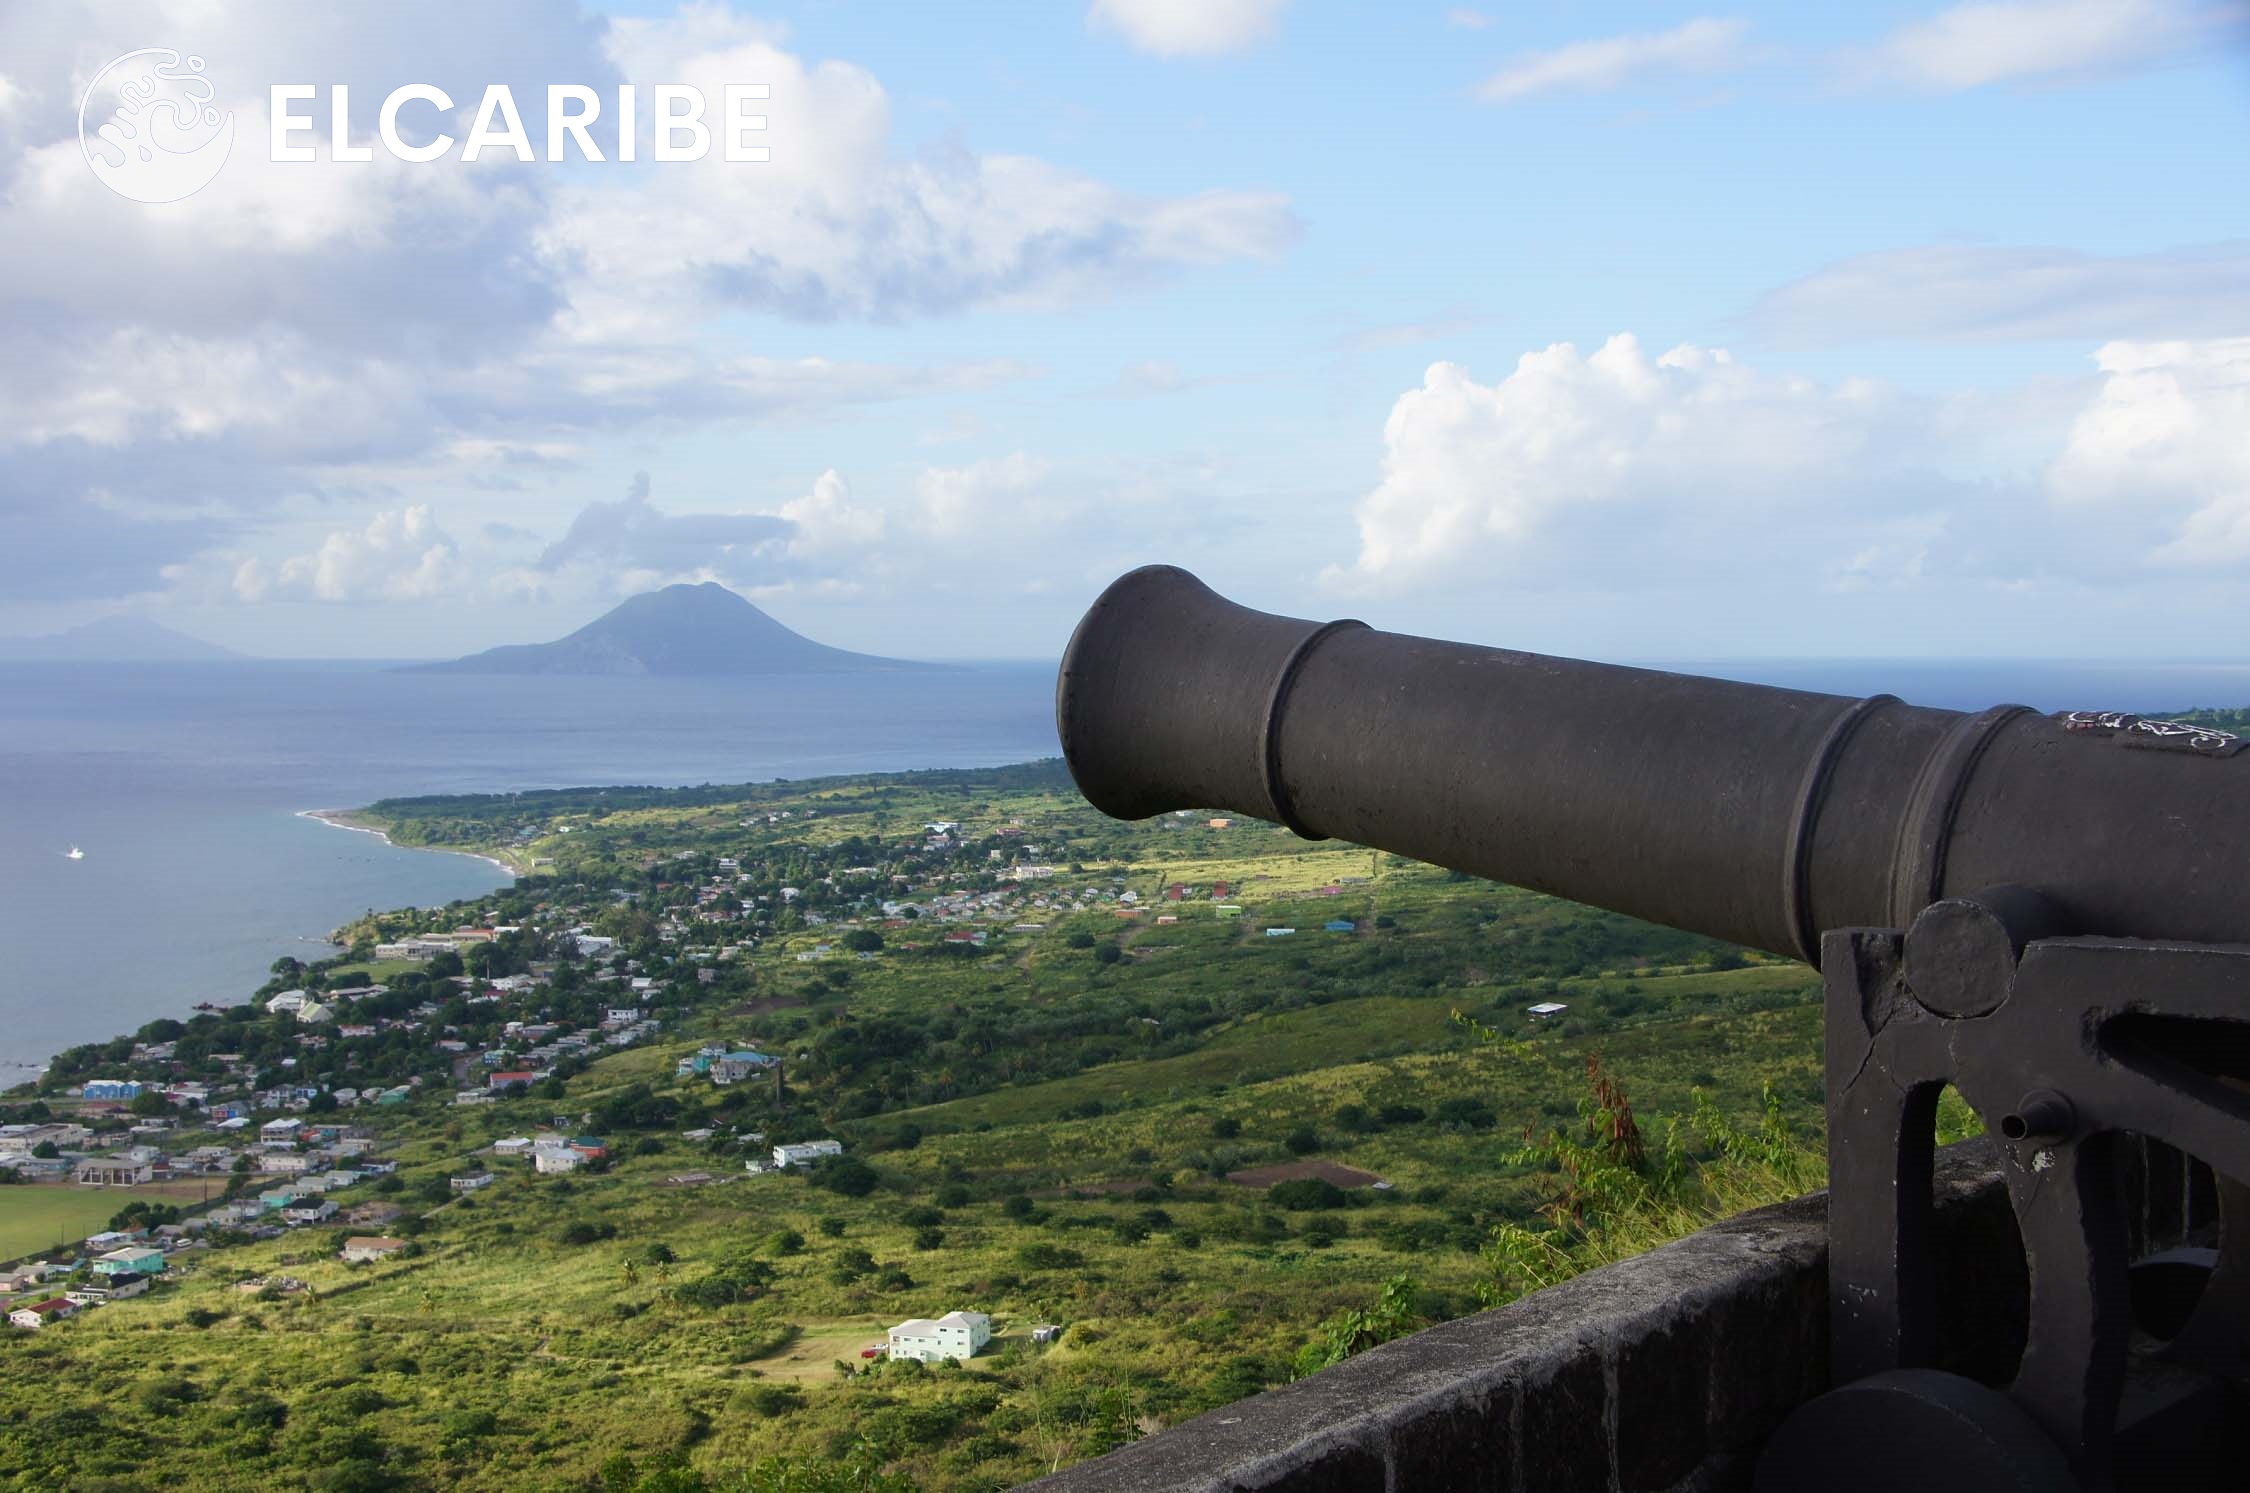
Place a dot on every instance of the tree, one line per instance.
(846, 1176)
(46, 1150)
(1302, 1141)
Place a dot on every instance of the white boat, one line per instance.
(76, 854)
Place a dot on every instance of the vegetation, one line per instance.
(1132, 1115)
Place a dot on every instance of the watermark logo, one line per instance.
(147, 127)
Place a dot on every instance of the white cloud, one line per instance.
(1622, 470)
(828, 525)
(1706, 44)
(1187, 28)
(994, 492)
(293, 329)
(632, 535)
(2169, 438)
(399, 556)
(1462, 18)
(1960, 292)
(1970, 46)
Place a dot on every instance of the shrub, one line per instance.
(1472, 1114)
(1302, 1141)
(1304, 1194)
(846, 1176)
(929, 1238)
(770, 1400)
(1043, 1256)
(1226, 1127)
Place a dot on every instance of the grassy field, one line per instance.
(1045, 1128)
(35, 1218)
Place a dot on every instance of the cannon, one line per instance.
(2047, 912)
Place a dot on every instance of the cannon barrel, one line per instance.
(1758, 815)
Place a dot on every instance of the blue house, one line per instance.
(1342, 925)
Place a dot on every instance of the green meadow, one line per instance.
(1041, 1129)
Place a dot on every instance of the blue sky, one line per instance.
(1628, 330)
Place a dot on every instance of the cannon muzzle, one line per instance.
(1758, 815)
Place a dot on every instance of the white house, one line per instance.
(805, 1152)
(472, 1182)
(549, 1160)
(369, 1247)
(954, 1335)
(514, 1145)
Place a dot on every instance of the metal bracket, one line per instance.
(2066, 1047)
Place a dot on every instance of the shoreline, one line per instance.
(342, 819)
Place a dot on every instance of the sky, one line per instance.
(1619, 330)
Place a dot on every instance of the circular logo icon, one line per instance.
(147, 127)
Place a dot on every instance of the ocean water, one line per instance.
(184, 785)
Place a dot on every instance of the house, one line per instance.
(111, 1088)
(362, 1248)
(1227, 910)
(806, 1152)
(1279, 932)
(514, 1145)
(523, 1077)
(40, 1313)
(1547, 1008)
(551, 1161)
(23, 1277)
(276, 1199)
(954, 1335)
(305, 1211)
(472, 1182)
(113, 1171)
(134, 1259)
(733, 1067)
(1340, 925)
(1046, 1332)
(103, 1289)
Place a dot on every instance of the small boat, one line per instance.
(75, 854)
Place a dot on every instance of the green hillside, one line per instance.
(1044, 1126)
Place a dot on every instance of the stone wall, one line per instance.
(1664, 1372)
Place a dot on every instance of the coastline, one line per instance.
(345, 819)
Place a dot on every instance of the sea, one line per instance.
(186, 786)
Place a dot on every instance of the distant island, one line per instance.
(115, 640)
(681, 630)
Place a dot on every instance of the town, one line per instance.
(927, 1123)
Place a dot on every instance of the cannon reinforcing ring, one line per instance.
(1796, 873)
(1269, 733)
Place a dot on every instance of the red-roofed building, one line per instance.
(40, 1313)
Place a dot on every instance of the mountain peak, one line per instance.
(116, 640)
(689, 628)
